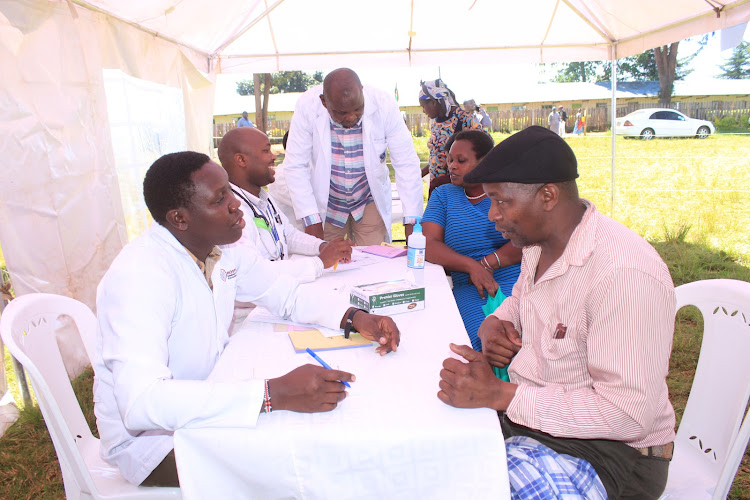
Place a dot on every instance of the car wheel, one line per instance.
(647, 134)
(703, 132)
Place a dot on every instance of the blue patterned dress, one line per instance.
(470, 233)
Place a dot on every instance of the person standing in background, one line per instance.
(480, 114)
(439, 103)
(578, 128)
(563, 120)
(244, 121)
(553, 121)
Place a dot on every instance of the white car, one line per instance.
(661, 122)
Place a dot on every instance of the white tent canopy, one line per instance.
(274, 35)
(61, 215)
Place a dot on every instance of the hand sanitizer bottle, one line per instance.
(415, 255)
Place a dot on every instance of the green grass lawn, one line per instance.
(690, 198)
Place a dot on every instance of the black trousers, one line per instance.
(624, 471)
(165, 473)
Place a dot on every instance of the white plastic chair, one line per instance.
(27, 327)
(714, 430)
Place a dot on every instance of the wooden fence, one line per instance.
(511, 120)
(275, 130)
(597, 118)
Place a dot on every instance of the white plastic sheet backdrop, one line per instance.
(61, 216)
(146, 120)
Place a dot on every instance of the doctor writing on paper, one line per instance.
(164, 308)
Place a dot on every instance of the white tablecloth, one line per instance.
(391, 438)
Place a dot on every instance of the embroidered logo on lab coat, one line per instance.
(228, 275)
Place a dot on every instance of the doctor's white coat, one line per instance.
(307, 162)
(161, 331)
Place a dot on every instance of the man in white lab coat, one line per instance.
(335, 163)
(164, 308)
(246, 155)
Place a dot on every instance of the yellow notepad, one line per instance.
(313, 339)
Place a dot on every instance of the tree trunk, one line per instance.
(257, 91)
(666, 64)
(264, 111)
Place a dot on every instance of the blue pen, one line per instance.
(324, 364)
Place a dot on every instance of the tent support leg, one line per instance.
(613, 120)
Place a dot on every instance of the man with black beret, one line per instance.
(587, 333)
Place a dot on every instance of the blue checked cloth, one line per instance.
(537, 472)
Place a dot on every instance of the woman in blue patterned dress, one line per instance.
(439, 103)
(463, 240)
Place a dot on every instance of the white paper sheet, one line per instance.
(263, 315)
(359, 259)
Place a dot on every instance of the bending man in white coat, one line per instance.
(335, 162)
(164, 309)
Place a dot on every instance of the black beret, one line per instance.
(535, 155)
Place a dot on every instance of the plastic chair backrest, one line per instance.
(709, 434)
(28, 330)
(28, 327)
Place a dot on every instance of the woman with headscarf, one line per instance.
(439, 103)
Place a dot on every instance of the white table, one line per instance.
(391, 438)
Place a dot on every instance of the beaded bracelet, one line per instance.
(266, 399)
(498, 260)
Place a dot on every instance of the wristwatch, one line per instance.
(349, 325)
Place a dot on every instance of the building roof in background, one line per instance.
(228, 102)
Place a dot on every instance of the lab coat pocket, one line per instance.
(379, 148)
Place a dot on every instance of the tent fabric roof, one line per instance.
(272, 35)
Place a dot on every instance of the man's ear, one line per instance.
(178, 219)
(550, 196)
(323, 100)
(239, 160)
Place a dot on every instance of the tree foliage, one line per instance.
(737, 67)
(285, 81)
(638, 68)
(659, 64)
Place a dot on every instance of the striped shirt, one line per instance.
(349, 192)
(597, 335)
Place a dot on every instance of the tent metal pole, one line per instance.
(613, 120)
(21, 383)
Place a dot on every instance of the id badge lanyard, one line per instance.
(268, 222)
